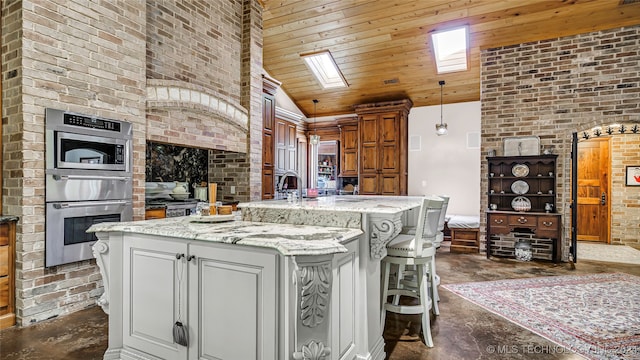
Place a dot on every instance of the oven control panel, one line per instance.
(90, 122)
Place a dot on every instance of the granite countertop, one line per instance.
(285, 238)
(344, 203)
(8, 218)
(343, 211)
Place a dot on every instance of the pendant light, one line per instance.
(315, 138)
(441, 129)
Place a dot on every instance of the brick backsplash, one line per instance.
(555, 87)
(114, 60)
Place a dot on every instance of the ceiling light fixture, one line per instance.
(441, 129)
(325, 69)
(315, 138)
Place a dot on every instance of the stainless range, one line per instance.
(175, 208)
(88, 180)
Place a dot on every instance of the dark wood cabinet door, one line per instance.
(268, 187)
(267, 151)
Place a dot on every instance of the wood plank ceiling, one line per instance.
(382, 41)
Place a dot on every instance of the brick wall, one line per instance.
(230, 169)
(555, 87)
(195, 74)
(63, 55)
(185, 72)
(625, 209)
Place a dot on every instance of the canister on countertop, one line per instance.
(224, 209)
(213, 193)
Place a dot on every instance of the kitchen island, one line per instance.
(380, 218)
(241, 290)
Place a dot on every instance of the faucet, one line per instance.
(284, 178)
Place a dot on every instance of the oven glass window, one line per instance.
(75, 229)
(87, 152)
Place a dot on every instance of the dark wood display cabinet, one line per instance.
(522, 206)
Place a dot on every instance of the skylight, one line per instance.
(450, 49)
(325, 69)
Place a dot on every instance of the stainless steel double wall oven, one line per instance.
(88, 181)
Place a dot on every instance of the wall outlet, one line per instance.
(232, 189)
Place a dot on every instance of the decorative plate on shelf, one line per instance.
(520, 187)
(520, 170)
(521, 203)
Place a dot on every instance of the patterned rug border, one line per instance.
(625, 347)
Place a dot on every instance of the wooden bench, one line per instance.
(465, 233)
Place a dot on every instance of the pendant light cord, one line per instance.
(315, 128)
(441, 82)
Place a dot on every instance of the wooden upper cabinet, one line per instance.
(268, 121)
(269, 88)
(383, 147)
(348, 148)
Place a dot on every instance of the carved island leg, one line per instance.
(379, 231)
(101, 253)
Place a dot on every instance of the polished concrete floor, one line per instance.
(462, 331)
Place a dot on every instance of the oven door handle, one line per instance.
(90, 177)
(88, 203)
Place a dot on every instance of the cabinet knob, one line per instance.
(547, 223)
(522, 220)
(498, 221)
(191, 257)
(179, 256)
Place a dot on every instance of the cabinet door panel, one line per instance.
(4, 260)
(281, 146)
(268, 112)
(350, 163)
(369, 129)
(233, 304)
(369, 161)
(389, 158)
(390, 184)
(368, 184)
(267, 150)
(291, 162)
(4, 294)
(389, 131)
(150, 294)
(268, 187)
(350, 138)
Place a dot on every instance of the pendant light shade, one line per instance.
(315, 138)
(441, 129)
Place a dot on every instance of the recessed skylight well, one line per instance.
(450, 49)
(325, 69)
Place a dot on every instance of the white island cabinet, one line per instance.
(241, 290)
(380, 218)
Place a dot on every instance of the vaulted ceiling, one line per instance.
(383, 46)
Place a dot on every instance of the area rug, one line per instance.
(608, 253)
(596, 316)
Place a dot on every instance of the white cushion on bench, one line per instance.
(463, 222)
